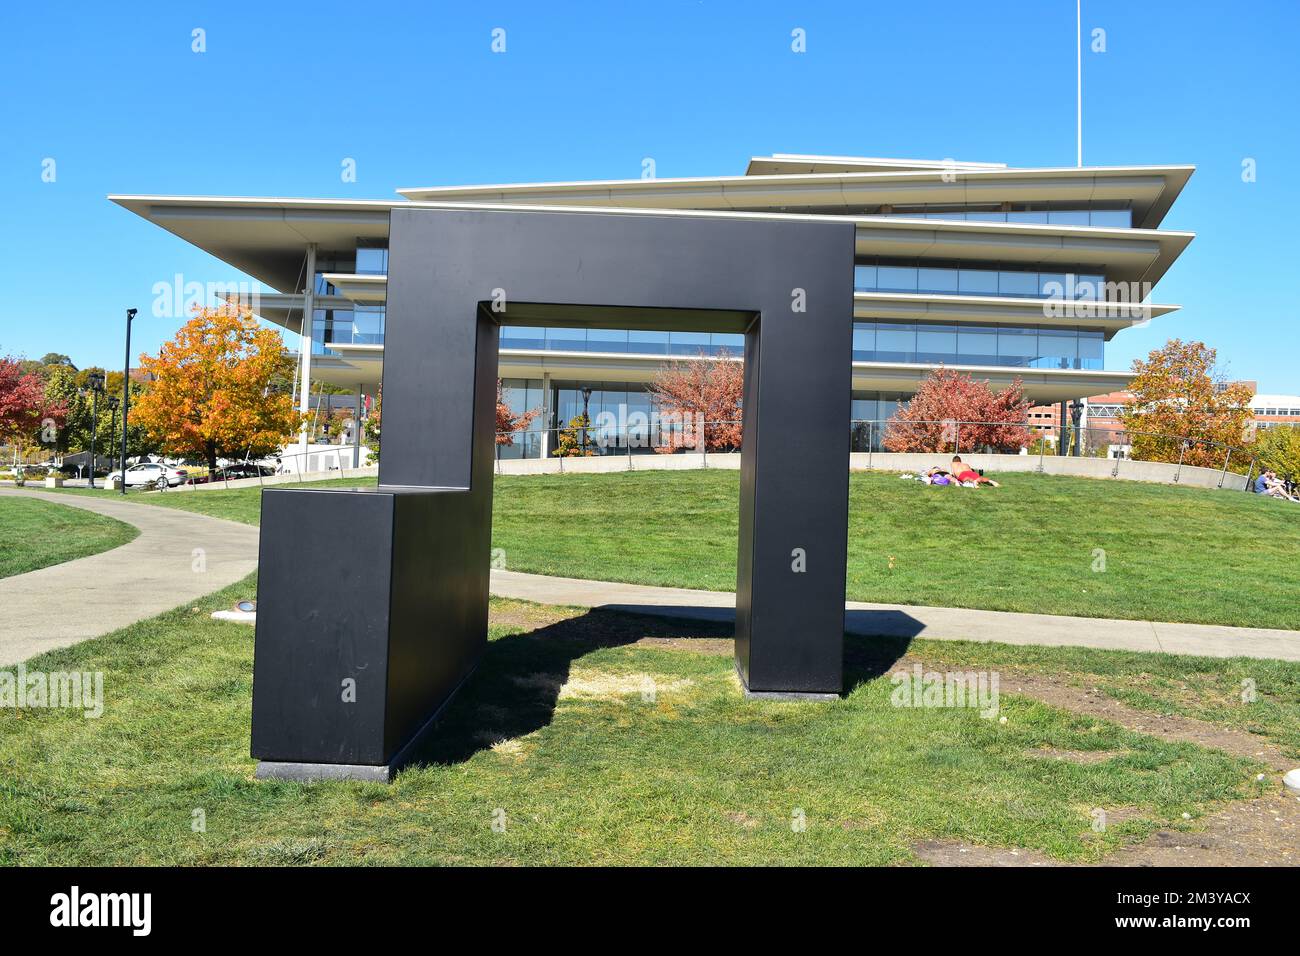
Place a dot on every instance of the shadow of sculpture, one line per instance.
(516, 688)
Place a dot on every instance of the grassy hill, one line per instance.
(1040, 543)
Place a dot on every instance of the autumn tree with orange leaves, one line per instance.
(1178, 393)
(211, 396)
(700, 394)
(952, 411)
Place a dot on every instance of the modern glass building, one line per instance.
(1006, 273)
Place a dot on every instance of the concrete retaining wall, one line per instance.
(1157, 472)
(1148, 471)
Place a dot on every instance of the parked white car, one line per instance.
(150, 474)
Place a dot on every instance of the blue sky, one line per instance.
(285, 92)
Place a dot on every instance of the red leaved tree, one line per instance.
(508, 423)
(946, 408)
(702, 394)
(25, 412)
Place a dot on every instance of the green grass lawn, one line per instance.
(596, 773)
(36, 534)
(1036, 544)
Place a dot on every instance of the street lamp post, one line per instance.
(586, 401)
(112, 431)
(1076, 413)
(126, 399)
(95, 383)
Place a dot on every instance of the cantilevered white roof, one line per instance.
(1150, 190)
(266, 238)
(363, 288)
(811, 163)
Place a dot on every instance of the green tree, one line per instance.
(576, 440)
(61, 386)
(1279, 449)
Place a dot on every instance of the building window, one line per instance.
(1110, 216)
(372, 257)
(960, 280)
(968, 344)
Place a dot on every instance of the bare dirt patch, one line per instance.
(1264, 831)
(1095, 703)
(1260, 831)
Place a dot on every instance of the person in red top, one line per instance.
(963, 473)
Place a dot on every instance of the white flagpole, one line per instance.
(1078, 76)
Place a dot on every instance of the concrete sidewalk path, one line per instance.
(161, 569)
(931, 623)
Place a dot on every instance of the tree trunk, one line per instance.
(212, 459)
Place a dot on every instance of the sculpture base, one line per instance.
(792, 695)
(313, 772)
(371, 615)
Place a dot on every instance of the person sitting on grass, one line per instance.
(1269, 484)
(965, 473)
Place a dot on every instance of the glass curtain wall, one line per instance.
(1014, 346)
(888, 276)
(620, 341)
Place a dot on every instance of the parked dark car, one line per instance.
(243, 469)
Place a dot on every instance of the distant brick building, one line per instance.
(1272, 411)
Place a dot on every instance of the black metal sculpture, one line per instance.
(372, 603)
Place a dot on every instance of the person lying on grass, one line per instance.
(961, 474)
(965, 474)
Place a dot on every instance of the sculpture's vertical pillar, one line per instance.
(794, 501)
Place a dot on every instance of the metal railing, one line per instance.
(875, 436)
(625, 440)
(869, 436)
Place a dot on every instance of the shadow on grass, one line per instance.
(515, 689)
